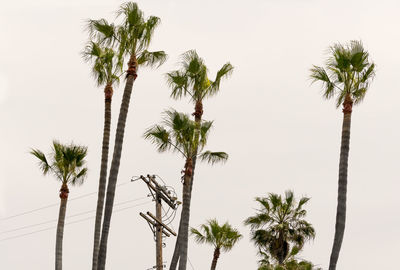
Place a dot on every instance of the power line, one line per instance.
(74, 215)
(54, 204)
(73, 222)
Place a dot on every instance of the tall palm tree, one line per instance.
(192, 80)
(132, 38)
(66, 163)
(179, 134)
(346, 77)
(278, 223)
(223, 238)
(106, 69)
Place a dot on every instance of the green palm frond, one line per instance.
(43, 163)
(224, 72)
(102, 31)
(178, 81)
(152, 59)
(213, 157)
(159, 136)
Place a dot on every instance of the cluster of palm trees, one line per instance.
(280, 221)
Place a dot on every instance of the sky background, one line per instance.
(279, 132)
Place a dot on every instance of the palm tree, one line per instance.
(347, 77)
(290, 263)
(106, 69)
(179, 134)
(66, 163)
(279, 223)
(132, 38)
(192, 80)
(223, 238)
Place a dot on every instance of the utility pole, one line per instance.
(159, 193)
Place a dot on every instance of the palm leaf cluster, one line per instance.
(192, 79)
(177, 133)
(278, 223)
(348, 72)
(66, 162)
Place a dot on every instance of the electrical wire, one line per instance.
(73, 222)
(74, 215)
(54, 204)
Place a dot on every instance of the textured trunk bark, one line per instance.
(198, 113)
(215, 258)
(184, 231)
(342, 189)
(103, 174)
(112, 179)
(60, 226)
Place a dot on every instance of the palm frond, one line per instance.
(43, 163)
(152, 59)
(159, 136)
(224, 72)
(213, 157)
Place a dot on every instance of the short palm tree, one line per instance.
(192, 80)
(66, 163)
(106, 69)
(223, 238)
(347, 77)
(278, 223)
(132, 38)
(179, 134)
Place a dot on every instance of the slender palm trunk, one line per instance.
(342, 189)
(60, 225)
(185, 215)
(178, 251)
(108, 91)
(112, 179)
(215, 258)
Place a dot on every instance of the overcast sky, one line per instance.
(279, 132)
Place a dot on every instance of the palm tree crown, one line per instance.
(178, 134)
(222, 237)
(192, 79)
(348, 73)
(107, 66)
(66, 162)
(132, 37)
(278, 223)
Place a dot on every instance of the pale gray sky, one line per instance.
(279, 132)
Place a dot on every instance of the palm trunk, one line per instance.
(60, 225)
(103, 174)
(185, 215)
(177, 252)
(342, 189)
(215, 258)
(112, 179)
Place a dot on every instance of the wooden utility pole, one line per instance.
(159, 194)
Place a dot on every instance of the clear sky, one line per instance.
(279, 132)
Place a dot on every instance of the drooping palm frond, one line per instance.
(43, 163)
(213, 157)
(159, 136)
(102, 31)
(152, 59)
(224, 72)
